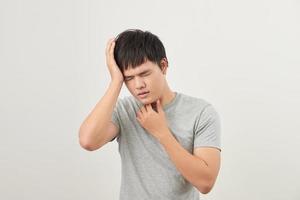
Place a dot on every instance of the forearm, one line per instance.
(100, 116)
(193, 168)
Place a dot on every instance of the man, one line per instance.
(169, 142)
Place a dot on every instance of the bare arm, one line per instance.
(93, 129)
(97, 129)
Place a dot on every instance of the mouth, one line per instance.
(143, 95)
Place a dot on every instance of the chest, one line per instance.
(182, 128)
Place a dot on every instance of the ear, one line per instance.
(164, 65)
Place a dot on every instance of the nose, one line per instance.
(139, 83)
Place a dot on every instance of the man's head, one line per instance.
(141, 57)
(134, 46)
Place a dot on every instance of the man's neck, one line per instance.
(167, 98)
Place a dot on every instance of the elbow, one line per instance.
(86, 145)
(206, 187)
(85, 142)
(204, 190)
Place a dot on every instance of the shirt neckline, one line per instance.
(172, 102)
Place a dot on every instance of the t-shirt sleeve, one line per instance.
(115, 116)
(208, 128)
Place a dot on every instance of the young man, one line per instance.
(169, 142)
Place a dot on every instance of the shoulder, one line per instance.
(127, 103)
(197, 103)
(200, 107)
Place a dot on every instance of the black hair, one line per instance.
(134, 47)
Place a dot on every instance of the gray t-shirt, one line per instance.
(147, 171)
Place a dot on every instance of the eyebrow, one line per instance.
(143, 72)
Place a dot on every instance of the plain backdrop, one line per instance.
(241, 56)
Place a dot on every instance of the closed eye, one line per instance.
(145, 74)
(127, 79)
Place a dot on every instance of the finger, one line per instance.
(143, 109)
(159, 106)
(108, 45)
(112, 48)
(149, 107)
(139, 114)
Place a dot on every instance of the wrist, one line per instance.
(164, 135)
(116, 81)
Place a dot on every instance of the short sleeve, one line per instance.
(207, 129)
(115, 116)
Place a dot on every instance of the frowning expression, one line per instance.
(146, 82)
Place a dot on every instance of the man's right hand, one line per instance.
(115, 72)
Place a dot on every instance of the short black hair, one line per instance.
(134, 47)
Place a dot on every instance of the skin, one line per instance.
(153, 80)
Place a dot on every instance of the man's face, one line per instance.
(147, 77)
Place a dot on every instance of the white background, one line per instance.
(241, 56)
